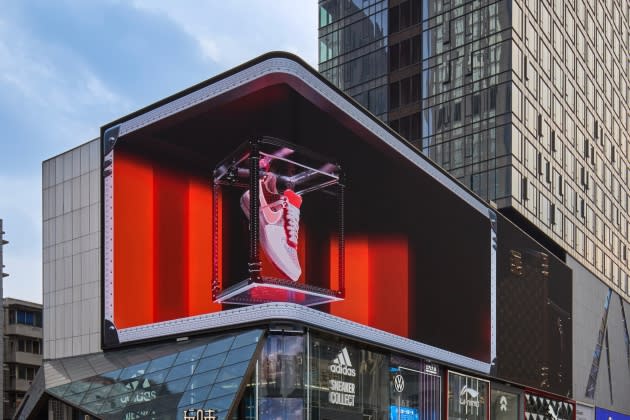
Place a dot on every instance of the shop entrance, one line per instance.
(404, 394)
(415, 394)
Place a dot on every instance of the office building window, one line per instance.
(17, 316)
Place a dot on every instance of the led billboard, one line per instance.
(418, 250)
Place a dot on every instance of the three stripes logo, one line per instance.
(342, 364)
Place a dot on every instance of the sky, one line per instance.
(67, 67)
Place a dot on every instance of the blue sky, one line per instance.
(69, 66)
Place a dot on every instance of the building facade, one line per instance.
(23, 348)
(524, 102)
(71, 223)
(166, 300)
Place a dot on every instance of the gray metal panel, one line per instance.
(588, 306)
(293, 312)
(589, 294)
(85, 158)
(602, 393)
(71, 243)
(619, 368)
(285, 66)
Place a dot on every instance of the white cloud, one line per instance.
(229, 33)
(56, 102)
(50, 78)
(210, 49)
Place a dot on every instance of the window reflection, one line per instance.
(347, 381)
(353, 50)
(282, 367)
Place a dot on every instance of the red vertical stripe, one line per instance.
(200, 257)
(355, 305)
(133, 241)
(171, 246)
(389, 284)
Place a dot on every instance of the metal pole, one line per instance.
(254, 203)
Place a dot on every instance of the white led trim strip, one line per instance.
(292, 68)
(108, 238)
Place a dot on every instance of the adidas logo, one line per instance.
(342, 364)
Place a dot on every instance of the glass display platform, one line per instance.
(295, 243)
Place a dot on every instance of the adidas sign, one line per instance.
(342, 364)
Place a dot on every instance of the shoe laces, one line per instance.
(292, 215)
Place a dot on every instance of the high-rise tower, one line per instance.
(525, 102)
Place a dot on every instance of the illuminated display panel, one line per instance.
(418, 248)
(299, 200)
(162, 246)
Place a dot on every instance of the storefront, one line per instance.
(506, 402)
(260, 373)
(467, 397)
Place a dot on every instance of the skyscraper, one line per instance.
(525, 102)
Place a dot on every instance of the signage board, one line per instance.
(467, 397)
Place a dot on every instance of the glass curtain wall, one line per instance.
(353, 50)
(466, 92)
(318, 376)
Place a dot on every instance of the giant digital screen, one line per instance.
(419, 250)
